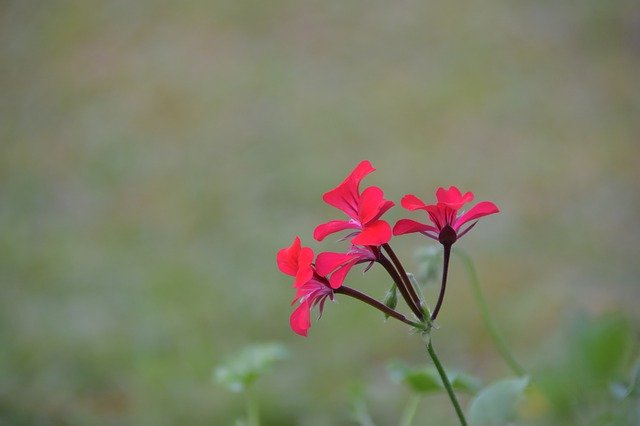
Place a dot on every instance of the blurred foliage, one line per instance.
(425, 380)
(241, 371)
(155, 155)
(497, 404)
(578, 384)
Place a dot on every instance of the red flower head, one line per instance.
(364, 209)
(313, 292)
(339, 264)
(443, 215)
(311, 288)
(296, 261)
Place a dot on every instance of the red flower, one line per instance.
(364, 209)
(444, 215)
(296, 261)
(339, 264)
(311, 288)
(313, 292)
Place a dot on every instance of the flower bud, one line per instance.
(391, 298)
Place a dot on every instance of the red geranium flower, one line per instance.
(364, 209)
(295, 260)
(313, 292)
(339, 264)
(311, 288)
(445, 217)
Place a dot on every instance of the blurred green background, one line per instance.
(154, 156)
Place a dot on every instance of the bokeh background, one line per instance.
(155, 155)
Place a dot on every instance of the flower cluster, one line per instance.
(317, 278)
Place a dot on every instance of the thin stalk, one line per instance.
(447, 384)
(405, 280)
(401, 286)
(253, 415)
(361, 413)
(410, 411)
(443, 287)
(498, 340)
(376, 304)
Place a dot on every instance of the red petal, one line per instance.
(334, 226)
(300, 319)
(304, 273)
(440, 214)
(327, 262)
(407, 226)
(287, 258)
(453, 198)
(374, 234)
(372, 204)
(411, 202)
(346, 195)
(481, 209)
(337, 278)
(384, 207)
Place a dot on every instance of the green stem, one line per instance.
(447, 384)
(361, 414)
(486, 315)
(410, 411)
(253, 415)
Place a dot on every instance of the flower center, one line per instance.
(447, 236)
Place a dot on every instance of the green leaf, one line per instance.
(602, 345)
(634, 389)
(427, 379)
(619, 391)
(242, 370)
(497, 403)
(464, 382)
(419, 380)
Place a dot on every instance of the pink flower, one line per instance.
(311, 288)
(311, 293)
(364, 209)
(339, 264)
(295, 260)
(445, 215)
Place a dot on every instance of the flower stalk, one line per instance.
(447, 384)
(499, 341)
(410, 411)
(402, 287)
(414, 302)
(443, 286)
(378, 305)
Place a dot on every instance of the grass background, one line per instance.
(154, 156)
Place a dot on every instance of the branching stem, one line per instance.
(417, 309)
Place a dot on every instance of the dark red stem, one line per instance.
(400, 284)
(376, 304)
(417, 309)
(445, 270)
